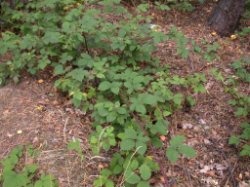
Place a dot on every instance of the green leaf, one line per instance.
(143, 184)
(145, 172)
(111, 117)
(132, 178)
(109, 183)
(127, 144)
(102, 111)
(59, 70)
(241, 111)
(99, 182)
(115, 90)
(245, 151)
(140, 108)
(131, 133)
(77, 98)
(149, 99)
(234, 140)
(77, 74)
(177, 140)
(74, 145)
(187, 151)
(42, 63)
(28, 42)
(105, 85)
(134, 164)
(31, 168)
(172, 154)
(161, 127)
(51, 37)
(121, 111)
(178, 98)
(156, 142)
(142, 147)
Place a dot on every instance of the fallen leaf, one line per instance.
(233, 37)
(163, 138)
(214, 33)
(39, 107)
(19, 132)
(40, 81)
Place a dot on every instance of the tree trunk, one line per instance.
(225, 16)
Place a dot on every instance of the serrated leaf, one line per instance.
(177, 140)
(77, 74)
(51, 37)
(149, 99)
(59, 70)
(142, 147)
(245, 151)
(241, 111)
(109, 183)
(121, 111)
(111, 117)
(131, 133)
(77, 98)
(172, 154)
(187, 151)
(156, 142)
(102, 111)
(178, 98)
(127, 144)
(234, 140)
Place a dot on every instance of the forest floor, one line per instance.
(33, 112)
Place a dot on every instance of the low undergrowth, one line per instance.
(102, 56)
(240, 102)
(16, 175)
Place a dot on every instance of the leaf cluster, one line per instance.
(25, 176)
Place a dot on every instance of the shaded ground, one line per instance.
(48, 122)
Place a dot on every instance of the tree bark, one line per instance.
(225, 17)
